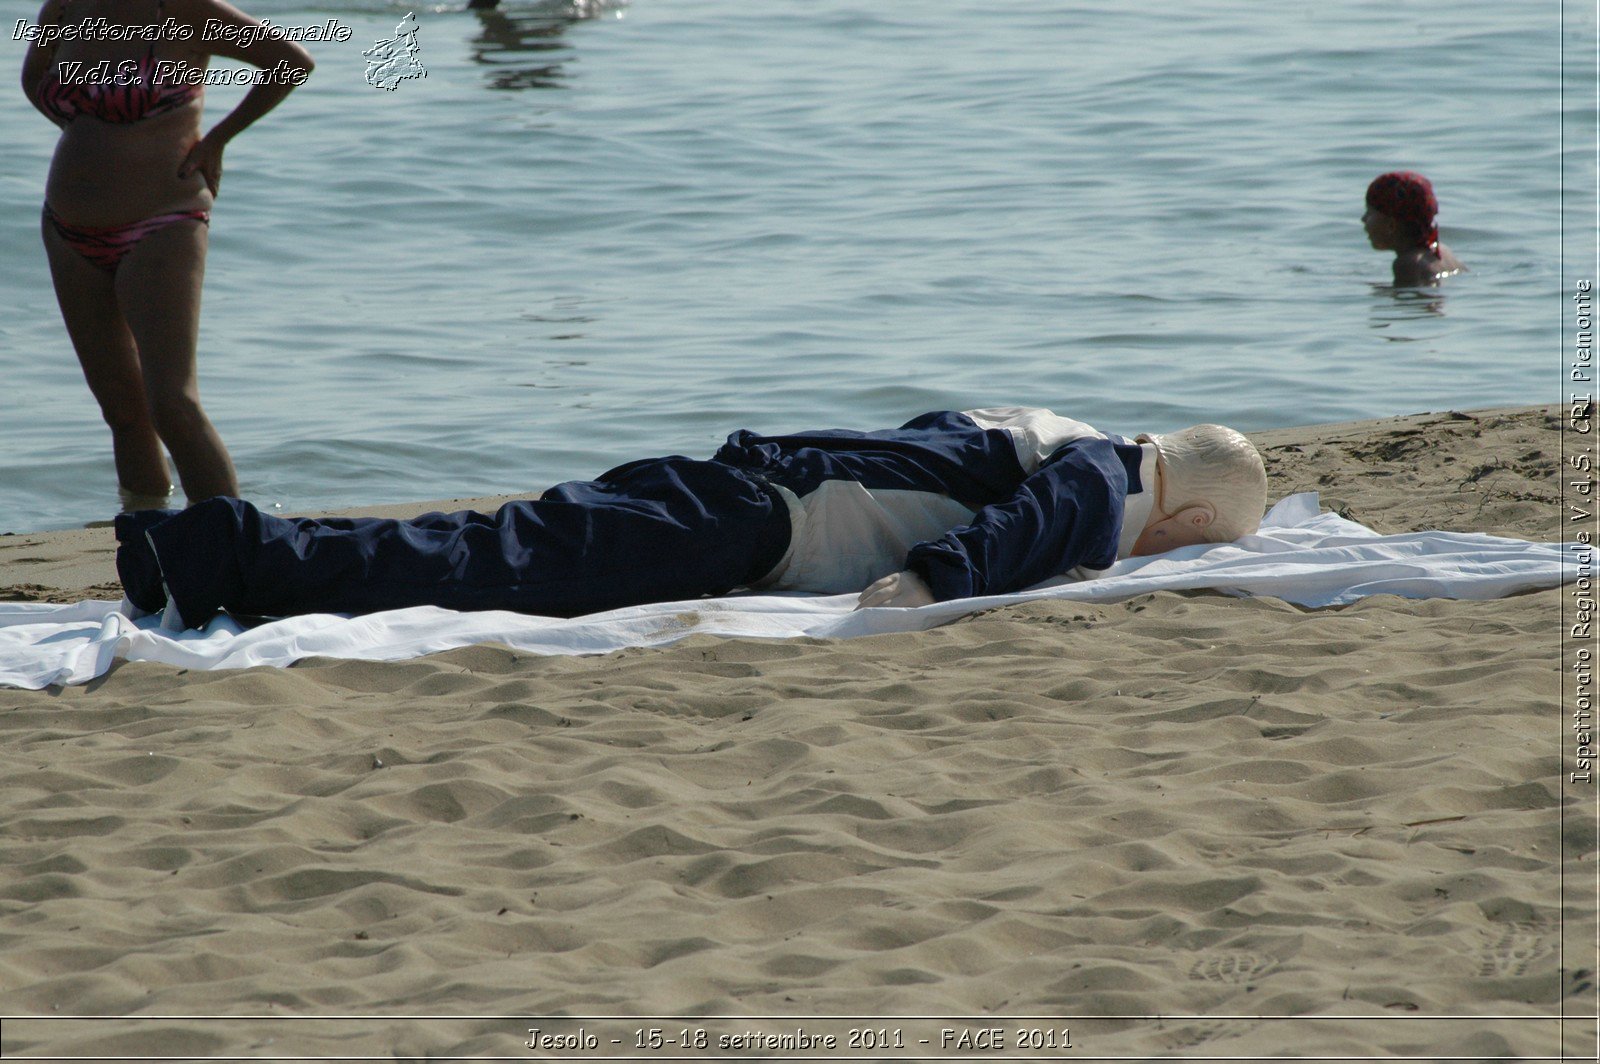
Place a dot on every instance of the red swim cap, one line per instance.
(1407, 197)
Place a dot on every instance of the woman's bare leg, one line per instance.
(158, 287)
(110, 364)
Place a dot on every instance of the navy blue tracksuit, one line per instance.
(981, 502)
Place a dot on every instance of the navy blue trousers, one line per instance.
(650, 531)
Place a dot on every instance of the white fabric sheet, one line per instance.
(1299, 555)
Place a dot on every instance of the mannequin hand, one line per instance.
(905, 589)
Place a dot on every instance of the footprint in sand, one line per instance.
(1518, 949)
(1236, 968)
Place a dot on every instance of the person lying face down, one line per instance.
(949, 505)
(1401, 209)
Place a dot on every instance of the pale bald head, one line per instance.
(1213, 467)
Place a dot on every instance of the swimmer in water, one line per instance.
(1400, 218)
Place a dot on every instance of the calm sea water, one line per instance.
(598, 232)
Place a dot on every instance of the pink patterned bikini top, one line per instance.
(123, 101)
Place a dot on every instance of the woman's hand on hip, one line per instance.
(205, 158)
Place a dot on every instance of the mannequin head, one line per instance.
(1211, 487)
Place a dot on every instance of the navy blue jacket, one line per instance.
(977, 503)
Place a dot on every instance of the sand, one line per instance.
(1335, 833)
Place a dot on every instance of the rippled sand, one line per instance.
(1211, 809)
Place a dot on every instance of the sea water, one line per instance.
(597, 231)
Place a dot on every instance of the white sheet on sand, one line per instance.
(1299, 555)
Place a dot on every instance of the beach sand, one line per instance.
(1334, 833)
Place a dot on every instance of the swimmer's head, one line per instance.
(1400, 214)
(1212, 488)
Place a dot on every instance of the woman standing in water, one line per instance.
(1400, 218)
(128, 203)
